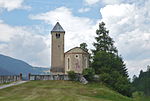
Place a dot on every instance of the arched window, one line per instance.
(57, 35)
(68, 63)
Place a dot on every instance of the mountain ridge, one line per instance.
(12, 66)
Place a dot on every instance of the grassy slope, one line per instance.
(59, 91)
(142, 98)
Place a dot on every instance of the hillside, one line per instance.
(59, 91)
(4, 72)
(10, 66)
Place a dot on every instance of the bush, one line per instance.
(88, 73)
(137, 94)
(117, 82)
(72, 75)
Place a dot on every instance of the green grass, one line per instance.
(139, 96)
(60, 91)
(142, 98)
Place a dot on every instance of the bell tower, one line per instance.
(57, 50)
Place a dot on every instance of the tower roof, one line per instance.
(57, 28)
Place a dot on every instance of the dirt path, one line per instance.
(12, 84)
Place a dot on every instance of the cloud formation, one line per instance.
(83, 10)
(78, 29)
(12, 4)
(106, 2)
(24, 44)
(128, 25)
(91, 2)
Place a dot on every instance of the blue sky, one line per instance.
(25, 27)
(39, 6)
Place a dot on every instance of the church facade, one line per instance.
(75, 59)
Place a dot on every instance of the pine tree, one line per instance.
(104, 41)
(107, 64)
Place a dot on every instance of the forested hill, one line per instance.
(4, 72)
(10, 66)
(142, 83)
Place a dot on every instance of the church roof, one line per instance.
(76, 50)
(58, 28)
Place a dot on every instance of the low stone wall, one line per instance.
(48, 77)
(10, 78)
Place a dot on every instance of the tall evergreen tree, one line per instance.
(107, 64)
(104, 41)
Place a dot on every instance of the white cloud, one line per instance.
(12, 4)
(6, 32)
(24, 44)
(82, 10)
(110, 2)
(78, 29)
(117, 10)
(128, 25)
(91, 2)
(136, 66)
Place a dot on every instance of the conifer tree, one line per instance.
(104, 41)
(107, 64)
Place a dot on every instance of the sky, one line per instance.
(25, 27)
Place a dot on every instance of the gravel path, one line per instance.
(12, 84)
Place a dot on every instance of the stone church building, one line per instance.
(75, 59)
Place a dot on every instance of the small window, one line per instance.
(57, 35)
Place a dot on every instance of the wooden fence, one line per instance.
(10, 78)
(48, 77)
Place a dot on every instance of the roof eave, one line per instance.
(58, 31)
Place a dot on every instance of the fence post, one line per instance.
(20, 76)
(29, 76)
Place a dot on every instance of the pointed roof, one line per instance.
(58, 28)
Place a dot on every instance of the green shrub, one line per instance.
(88, 73)
(117, 82)
(72, 75)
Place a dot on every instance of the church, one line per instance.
(75, 59)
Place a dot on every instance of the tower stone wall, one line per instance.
(57, 50)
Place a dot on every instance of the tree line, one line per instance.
(142, 83)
